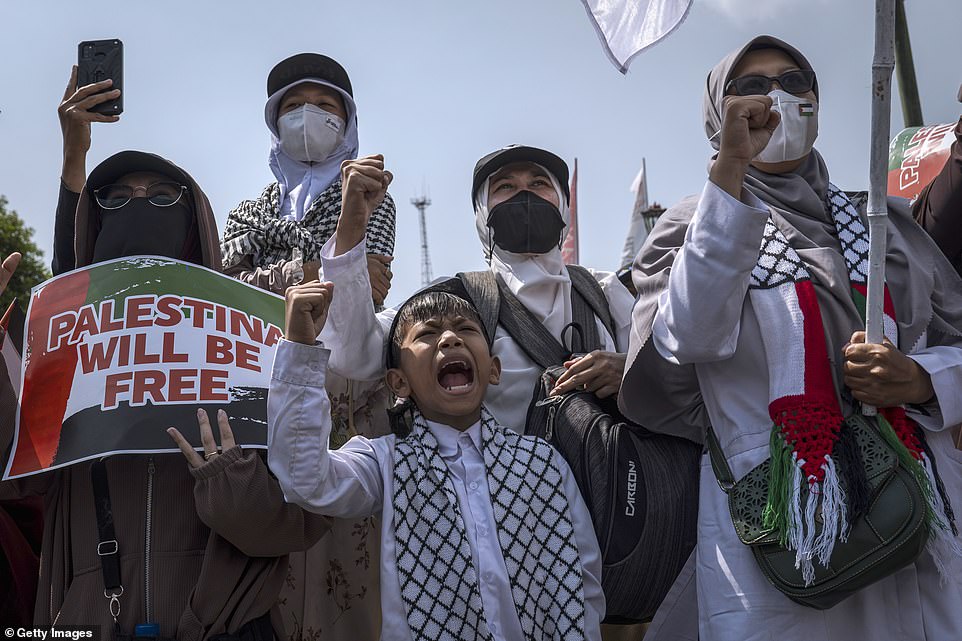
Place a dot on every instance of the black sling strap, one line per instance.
(585, 285)
(497, 305)
(107, 547)
(527, 331)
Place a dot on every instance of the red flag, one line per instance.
(569, 250)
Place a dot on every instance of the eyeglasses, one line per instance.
(796, 81)
(162, 194)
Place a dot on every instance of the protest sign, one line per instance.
(115, 353)
(11, 338)
(916, 156)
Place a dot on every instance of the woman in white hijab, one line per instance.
(520, 196)
(271, 241)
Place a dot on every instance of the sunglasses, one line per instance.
(162, 194)
(796, 81)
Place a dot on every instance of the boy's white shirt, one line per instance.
(357, 480)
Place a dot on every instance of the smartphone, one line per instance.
(99, 60)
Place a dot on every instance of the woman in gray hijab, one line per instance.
(753, 289)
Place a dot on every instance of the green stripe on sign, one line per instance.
(155, 275)
(899, 146)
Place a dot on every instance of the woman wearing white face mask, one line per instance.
(756, 285)
(273, 242)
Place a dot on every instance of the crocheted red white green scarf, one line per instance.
(804, 408)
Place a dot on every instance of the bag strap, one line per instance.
(590, 290)
(497, 304)
(527, 331)
(107, 547)
(583, 324)
(482, 288)
(719, 464)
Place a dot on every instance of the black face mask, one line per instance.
(140, 228)
(526, 223)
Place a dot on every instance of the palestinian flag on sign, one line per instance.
(916, 156)
(11, 340)
(117, 352)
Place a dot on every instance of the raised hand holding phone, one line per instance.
(98, 61)
(75, 113)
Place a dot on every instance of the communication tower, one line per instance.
(422, 202)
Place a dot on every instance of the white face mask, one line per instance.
(309, 133)
(796, 133)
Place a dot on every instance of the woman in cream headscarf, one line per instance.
(750, 286)
(273, 240)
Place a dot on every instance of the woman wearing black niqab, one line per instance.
(203, 548)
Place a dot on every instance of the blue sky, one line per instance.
(438, 84)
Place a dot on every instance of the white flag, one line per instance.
(628, 27)
(636, 227)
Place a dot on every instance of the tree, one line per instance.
(15, 236)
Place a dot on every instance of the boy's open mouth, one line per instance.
(456, 376)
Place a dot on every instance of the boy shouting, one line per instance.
(484, 533)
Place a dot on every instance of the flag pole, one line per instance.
(882, 65)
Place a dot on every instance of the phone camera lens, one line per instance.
(87, 52)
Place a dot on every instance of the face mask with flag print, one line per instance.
(797, 131)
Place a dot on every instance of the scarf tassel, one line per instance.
(943, 543)
(796, 505)
(939, 485)
(848, 454)
(911, 460)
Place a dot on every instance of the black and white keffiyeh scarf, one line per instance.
(255, 228)
(438, 581)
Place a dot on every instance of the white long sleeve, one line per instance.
(943, 363)
(344, 483)
(699, 313)
(358, 333)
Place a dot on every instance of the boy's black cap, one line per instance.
(519, 153)
(455, 287)
(308, 65)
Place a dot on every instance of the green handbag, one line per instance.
(889, 536)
